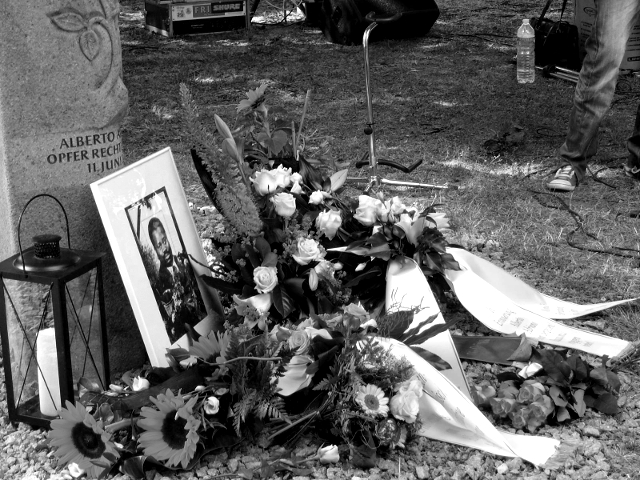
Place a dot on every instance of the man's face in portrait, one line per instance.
(162, 246)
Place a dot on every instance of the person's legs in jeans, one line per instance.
(633, 145)
(597, 81)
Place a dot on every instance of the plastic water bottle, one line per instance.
(526, 53)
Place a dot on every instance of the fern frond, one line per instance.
(232, 194)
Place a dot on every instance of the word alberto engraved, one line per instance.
(105, 147)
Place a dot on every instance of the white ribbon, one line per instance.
(450, 416)
(408, 288)
(507, 305)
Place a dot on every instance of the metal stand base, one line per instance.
(374, 181)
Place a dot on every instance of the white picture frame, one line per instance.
(158, 252)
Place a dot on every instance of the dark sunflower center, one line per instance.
(371, 401)
(173, 431)
(86, 441)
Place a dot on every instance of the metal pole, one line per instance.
(373, 162)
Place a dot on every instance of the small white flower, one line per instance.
(74, 470)
(140, 383)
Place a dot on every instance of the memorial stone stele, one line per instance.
(62, 102)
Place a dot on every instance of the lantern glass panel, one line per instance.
(85, 335)
(29, 310)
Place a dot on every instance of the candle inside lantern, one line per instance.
(48, 380)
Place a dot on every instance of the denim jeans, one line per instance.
(605, 50)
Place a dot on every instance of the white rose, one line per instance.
(396, 207)
(382, 211)
(367, 211)
(329, 454)
(296, 188)
(300, 342)
(404, 406)
(296, 177)
(265, 278)
(265, 182)
(285, 204)
(308, 250)
(212, 405)
(282, 176)
(328, 223)
(414, 384)
(317, 197)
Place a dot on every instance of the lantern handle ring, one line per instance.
(66, 219)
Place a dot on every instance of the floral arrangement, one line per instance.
(553, 388)
(300, 270)
(247, 384)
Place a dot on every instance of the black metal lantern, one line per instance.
(51, 325)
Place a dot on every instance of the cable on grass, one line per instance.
(596, 179)
(541, 132)
(614, 250)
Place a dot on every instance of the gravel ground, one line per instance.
(597, 447)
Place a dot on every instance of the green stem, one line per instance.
(115, 426)
(250, 358)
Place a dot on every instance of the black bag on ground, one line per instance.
(343, 21)
(556, 42)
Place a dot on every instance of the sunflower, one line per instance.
(254, 101)
(211, 348)
(372, 400)
(171, 430)
(79, 439)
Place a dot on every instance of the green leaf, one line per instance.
(579, 404)
(262, 246)
(562, 414)
(279, 140)
(430, 332)
(606, 378)
(554, 365)
(282, 301)
(223, 128)
(229, 147)
(579, 367)
(436, 361)
(558, 396)
(338, 179)
(374, 272)
(363, 456)
(270, 260)
(524, 350)
(254, 258)
(90, 385)
(607, 403)
(400, 322)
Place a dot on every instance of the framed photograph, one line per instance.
(158, 252)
